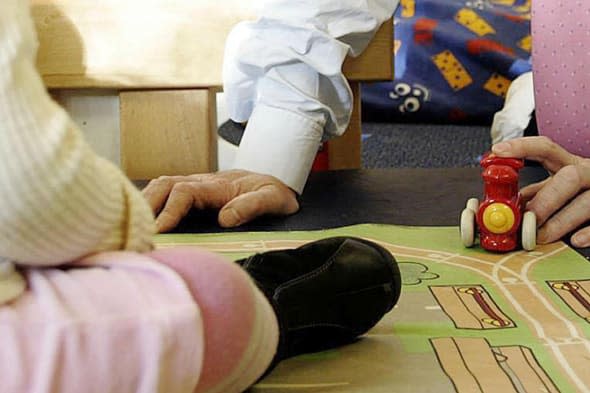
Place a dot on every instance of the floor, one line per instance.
(398, 145)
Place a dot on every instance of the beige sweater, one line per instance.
(58, 200)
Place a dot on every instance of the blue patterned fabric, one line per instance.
(454, 61)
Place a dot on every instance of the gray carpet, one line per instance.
(397, 145)
(423, 145)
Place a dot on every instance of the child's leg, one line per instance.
(125, 322)
(241, 332)
(121, 322)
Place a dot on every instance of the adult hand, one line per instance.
(241, 196)
(561, 202)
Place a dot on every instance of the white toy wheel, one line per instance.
(473, 204)
(529, 231)
(467, 227)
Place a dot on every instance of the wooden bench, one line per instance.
(164, 58)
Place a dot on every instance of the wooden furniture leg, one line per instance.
(345, 152)
(168, 132)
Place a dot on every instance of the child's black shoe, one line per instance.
(326, 293)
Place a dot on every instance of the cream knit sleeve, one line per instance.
(58, 200)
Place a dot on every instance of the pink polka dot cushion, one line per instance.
(561, 68)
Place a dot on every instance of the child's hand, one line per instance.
(241, 195)
(561, 202)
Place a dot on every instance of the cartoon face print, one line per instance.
(411, 98)
(477, 4)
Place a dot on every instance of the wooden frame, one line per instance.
(159, 123)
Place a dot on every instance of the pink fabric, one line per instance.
(175, 320)
(561, 67)
(225, 295)
(117, 322)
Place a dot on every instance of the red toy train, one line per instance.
(500, 217)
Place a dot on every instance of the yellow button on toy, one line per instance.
(498, 218)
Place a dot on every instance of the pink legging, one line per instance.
(228, 303)
(561, 69)
(173, 321)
